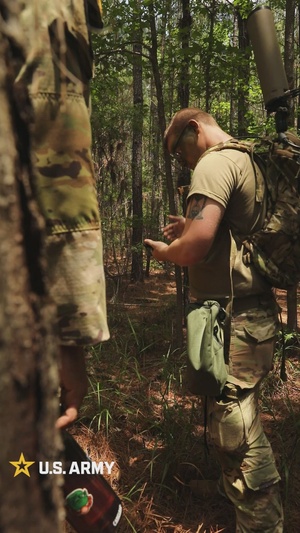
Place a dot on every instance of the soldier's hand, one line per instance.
(175, 229)
(158, 247)
(73, 383)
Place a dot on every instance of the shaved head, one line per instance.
(181, 119)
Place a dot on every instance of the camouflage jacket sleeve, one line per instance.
(57, 70)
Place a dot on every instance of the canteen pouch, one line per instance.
(206, 368)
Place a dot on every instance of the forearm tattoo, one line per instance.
(196, 207)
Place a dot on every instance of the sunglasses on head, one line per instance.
(174, 153)
(179, 158)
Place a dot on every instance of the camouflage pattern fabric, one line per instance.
(77, 285)
(65, 174)
(275, 248)
(249, 474)
(252, 342)
(57, 70)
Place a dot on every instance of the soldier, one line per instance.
(222, 196)
(57, 71)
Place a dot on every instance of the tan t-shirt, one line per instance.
(227, 176)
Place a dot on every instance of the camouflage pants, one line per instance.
(250, 477)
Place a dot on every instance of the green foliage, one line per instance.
(220, 72)
(244, 7)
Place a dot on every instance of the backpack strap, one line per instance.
(257, 162)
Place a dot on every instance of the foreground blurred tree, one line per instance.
(28, 375)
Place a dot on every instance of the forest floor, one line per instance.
(139, 414)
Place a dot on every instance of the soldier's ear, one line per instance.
(195, 125)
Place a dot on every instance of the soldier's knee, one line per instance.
(235, 424)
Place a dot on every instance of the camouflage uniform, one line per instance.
(58, 69)
(249, 475)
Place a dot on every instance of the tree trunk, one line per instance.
(233, 128)
(212, 15)
(167, 158)
(289, 54)
(184, 175)
(154, 207)
(136, 165)
(28, 369)
(185, 24)
(244, 77)
(298, 54)
(289, 64)
(291, 301)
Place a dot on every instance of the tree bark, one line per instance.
(136, 165)
(28, 368)
(212, 15)
(233, 115)
(289, 54)
(167, 158)
(292, 301)
(298, 54)
(244, 77)
(289, 64)
(185, 24)
(184, 175)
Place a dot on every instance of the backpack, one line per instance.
(274, 249)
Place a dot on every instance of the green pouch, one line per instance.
(206, 368)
